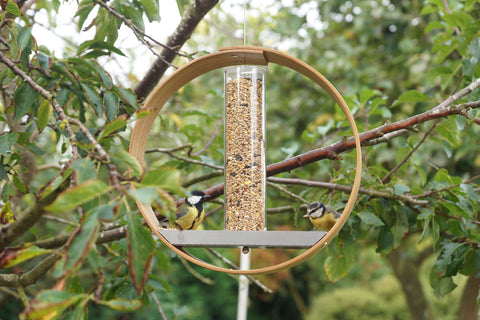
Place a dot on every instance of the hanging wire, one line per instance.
(244, 22)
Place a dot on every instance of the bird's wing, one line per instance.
(181, 214)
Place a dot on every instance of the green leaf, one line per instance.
(337, 267)
(421, 173)
(82, 243)
(151, 9)
(411, 96)
(447, 133)
(10, 257)
(451, 259)
(441, 285)
(144, 195)
(129, 97)
(84, 169)
(84, 9)
(7, 140)
(443, 50)
(24, 99)
(401, 226)
(165, 178)
(433, 25)
(44, 112)
(105, 211)
(110, 103)
(384, 240)
(94, 99)
(370, 219)
(131, 161)
(436, 72)
(6, 214)
(12, 8)
(165, 205)
(99, 46)
(400, 189)
(49, 304)
(78, 195)
(425, 214)
(460, 122)
(113, 126)
(134, 15)
(367, 94)
(122, 304)
(19, 185)
(141, 249)
(24, 38)
(106, 78)
(445, 180)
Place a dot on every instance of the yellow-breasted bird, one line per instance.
(190, 216)
(321, 216)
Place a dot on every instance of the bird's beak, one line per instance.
(207, 196)
(306, 215)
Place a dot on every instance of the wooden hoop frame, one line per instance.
(231, 56)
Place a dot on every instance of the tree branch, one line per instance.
(12, 231)
(103, 155)
(31, 276)
(191, 18)
(334, 186)
(367, 138)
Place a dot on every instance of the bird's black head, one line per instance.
(197, 197)
(316, 210)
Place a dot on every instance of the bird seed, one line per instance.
(244, 155)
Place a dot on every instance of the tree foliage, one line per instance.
(72, 241)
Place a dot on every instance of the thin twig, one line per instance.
(215, 133)
(432, 192)
(139, 33)
(234, 266)
(283, 209)
(388, 176)
(203, 178)
(364, 151)
(5, 43)
(58, 219)
(168, 150)
(173, 155)
(10, 292)
(291, 194)
(194, 273)
(159, 306)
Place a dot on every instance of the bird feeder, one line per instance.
(245, 169)
(245, 172)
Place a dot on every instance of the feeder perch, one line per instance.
(244, 220)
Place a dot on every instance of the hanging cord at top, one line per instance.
(245, 22)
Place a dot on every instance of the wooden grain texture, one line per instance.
(230, 56)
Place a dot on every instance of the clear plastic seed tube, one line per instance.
(245, 148)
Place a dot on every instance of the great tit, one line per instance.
(192, 216)
(321, 216)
